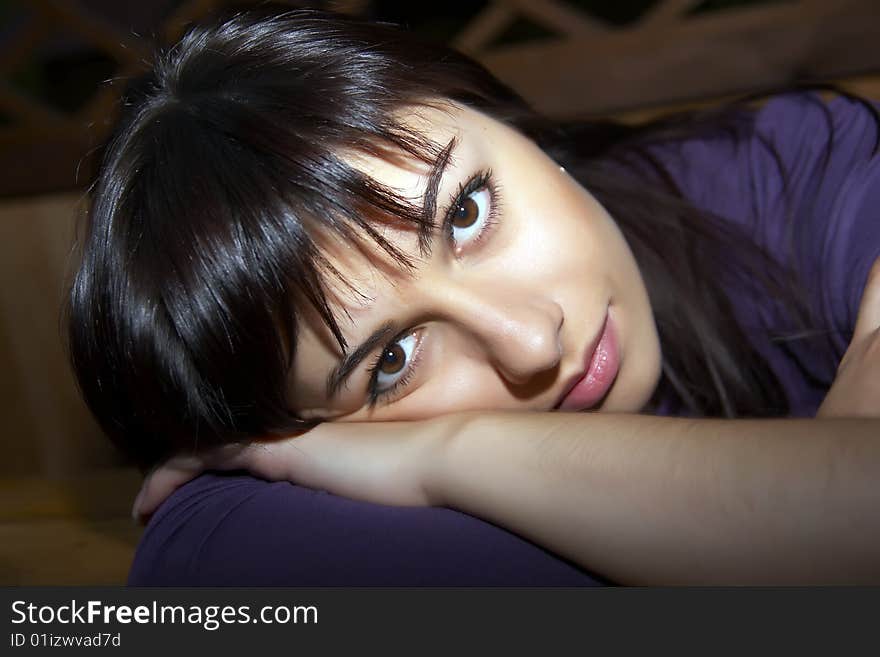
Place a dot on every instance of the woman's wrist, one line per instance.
(444, 434)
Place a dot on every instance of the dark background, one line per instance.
(59, 58)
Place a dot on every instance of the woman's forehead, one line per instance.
(402, 171)
(444, 116)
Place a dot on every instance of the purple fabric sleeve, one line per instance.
(237, 530)
(805, 185)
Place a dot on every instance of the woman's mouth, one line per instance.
(601, 367)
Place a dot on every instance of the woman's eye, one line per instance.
(470, 216)
(394, 362)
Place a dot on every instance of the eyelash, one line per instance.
(480, 181)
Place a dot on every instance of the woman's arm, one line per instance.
(669, 500)
(635, 498)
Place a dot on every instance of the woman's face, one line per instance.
(507, 309)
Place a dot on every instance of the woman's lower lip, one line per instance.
(602, 371)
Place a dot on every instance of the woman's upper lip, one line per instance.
(585, 363)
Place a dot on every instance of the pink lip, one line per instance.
(602, 363)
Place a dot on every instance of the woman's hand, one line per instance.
(380, 462)
(856, 388)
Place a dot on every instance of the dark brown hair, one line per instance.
(202, 240)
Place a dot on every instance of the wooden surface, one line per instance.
(867, 86)
(671, 56)
(72, 531)
(46, 428)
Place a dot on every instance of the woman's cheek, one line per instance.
(470, 385)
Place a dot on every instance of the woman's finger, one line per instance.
(175, 472)
(868, 319)
(163, 481)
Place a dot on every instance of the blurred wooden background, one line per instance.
(64, 494)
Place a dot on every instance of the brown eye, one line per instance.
(471, 216)
(393, 360)
(395, 364)
(466, 213)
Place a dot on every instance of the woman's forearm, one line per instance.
(643, 499)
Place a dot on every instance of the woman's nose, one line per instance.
(527, 340)
(520, 329)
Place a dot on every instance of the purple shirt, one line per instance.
(835, 220)
(233, 529)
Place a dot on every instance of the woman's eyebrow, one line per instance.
(432, 188)
(340, 373)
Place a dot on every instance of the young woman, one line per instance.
(486, 348)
